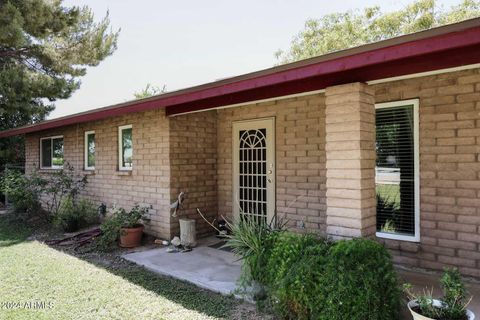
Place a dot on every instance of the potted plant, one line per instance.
(453, 305)
(131, 230)
(126, 225)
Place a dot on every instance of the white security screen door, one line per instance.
(254, 169)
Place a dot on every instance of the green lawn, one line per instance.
(72, 288)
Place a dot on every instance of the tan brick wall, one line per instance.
(300, 157)
(201, 154)
(449, 170)
(350, 137)
(193, 159)
(149, 181)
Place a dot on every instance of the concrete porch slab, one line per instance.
(206, 267)
(218, 271)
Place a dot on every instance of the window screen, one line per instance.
(395, 170)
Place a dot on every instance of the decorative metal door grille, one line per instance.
(253, 174)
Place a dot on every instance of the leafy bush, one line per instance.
(359, 282)
(72, 215)
(453, 304)
(35, 194)
(110, 233)
(294, 267)
(23, 192)
(454, 295)
(120, 218)
(306, 277)
(59, 185)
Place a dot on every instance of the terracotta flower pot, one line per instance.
(436, 303)
(131, 237)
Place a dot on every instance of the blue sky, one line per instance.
(184, 43)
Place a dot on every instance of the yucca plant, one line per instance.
(251, 240)
(247, 235)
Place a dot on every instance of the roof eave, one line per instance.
(423, 51)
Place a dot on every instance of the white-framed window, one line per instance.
(125, 147)
(51, 152)
(89, 151)
(397, 170)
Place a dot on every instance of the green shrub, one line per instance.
(294, 267)
(120, 219)
(454, 295)
(110, 233)
(73, 216)
(306, 277)
(37, 195)
(23, 192)
(60, 185)
(358, 282)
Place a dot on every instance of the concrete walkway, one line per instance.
(206, 267)
(218, 271)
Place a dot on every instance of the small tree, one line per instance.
(45, 48)
(60, 185)
(35, 194)
(22, 192)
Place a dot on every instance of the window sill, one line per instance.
(89, 172)
(124, 172)
(48, 170)
(393, 236)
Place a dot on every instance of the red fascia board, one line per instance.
(442, 60)
(80, 118)
(382, 55)
(392, 53)
(282, 79)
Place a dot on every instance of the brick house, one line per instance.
(379, 141)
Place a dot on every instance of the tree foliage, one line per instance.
(44, 49)
(338, 31)
(149, 90)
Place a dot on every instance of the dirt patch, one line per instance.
(248, 311)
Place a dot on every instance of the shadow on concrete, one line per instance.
(209, 268)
